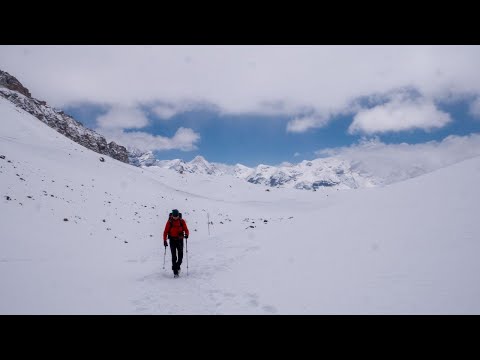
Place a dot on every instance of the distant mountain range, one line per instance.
(307, 175)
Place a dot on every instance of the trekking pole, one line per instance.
(186, 242)
(208, 223)
(165, 253)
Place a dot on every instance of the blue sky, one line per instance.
(252, 140)
(230, 139)
(257, 104)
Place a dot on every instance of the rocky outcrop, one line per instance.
(118, 152)
(14, 91)
(11, 83)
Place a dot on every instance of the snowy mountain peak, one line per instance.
(201, 166)
(199, 160)
(138, 157)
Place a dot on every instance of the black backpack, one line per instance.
(170, 218)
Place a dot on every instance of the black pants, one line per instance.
(176, 245)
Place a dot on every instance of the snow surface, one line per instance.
(407, 248)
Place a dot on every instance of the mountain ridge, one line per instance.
(12, 90)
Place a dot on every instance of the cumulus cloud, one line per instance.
(121, 117)
(399, 115)
(394, 162)
(302, 124)
(114, 123)
(184, 139)
(164, 111)
(244, 79)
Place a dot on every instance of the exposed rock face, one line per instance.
(14, 91)
(10, 82)
(118, 152)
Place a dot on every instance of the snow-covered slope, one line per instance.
(12, 90)
(82, 236)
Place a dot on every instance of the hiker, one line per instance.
(176, 229)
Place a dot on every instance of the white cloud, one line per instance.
(302, 124)
(242, 79)
(184, 139)
(296, 154)
(121, 117)
(475, 108)
(395, 162)
(164, 111)
(399, 115)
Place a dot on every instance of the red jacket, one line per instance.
(176, 230)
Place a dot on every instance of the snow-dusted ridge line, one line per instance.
(12, 90)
